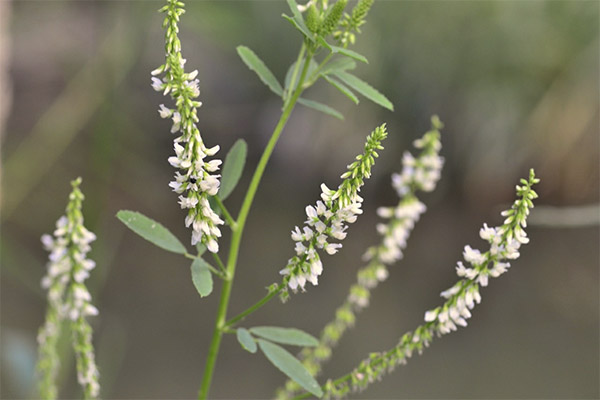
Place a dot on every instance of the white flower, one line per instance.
(165, 112)
(473, 256)
(431, 315)
(332, 248)
(157, 84)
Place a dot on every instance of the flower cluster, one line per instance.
(352, 23)
(68, 298)
(417, 174)
(196, 179)
(461, 298)
(329, 218)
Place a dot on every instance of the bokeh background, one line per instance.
(516, 83)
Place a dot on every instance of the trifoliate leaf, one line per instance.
(246, 340)
(290, 366)
(365, 89)
(292, 336)
(151, 230)
(202, 277)
(233, 168)
(321, 107)
(257, 65)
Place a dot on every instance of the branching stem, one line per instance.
(220, 324)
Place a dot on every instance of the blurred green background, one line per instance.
(517, 85)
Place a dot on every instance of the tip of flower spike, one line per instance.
(76, 182)
(436, 123)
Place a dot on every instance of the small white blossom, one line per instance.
(473, 256)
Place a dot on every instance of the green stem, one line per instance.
(237, 236)
(220, 274)
(220, 263)
(228, 218)
(294, 75)
(315, 75)
(255, 307)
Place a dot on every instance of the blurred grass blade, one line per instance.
(233, 168)
(258, 66)
(246, 340)
(151, 230)
(321, 107)
(290, 366)
(56, 129)
(292, 336)
(365, 89)
(202, 277)
(342, 88)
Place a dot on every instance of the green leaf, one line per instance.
(340, 86)
(302, 30)
(292, 336)
(151, 230)
(365, 89)
(246, 340)
(233, 168)
(258, 66)
(321, 107)
(298, 20)
(201, 248)
(324, 43)
(290, 366)
(339, 64)
(312, 65)
(349, 53)
(202, 277)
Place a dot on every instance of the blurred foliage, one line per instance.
(516, 84)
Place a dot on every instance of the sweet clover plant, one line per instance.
(327, 29)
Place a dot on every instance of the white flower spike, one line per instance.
(196, 176)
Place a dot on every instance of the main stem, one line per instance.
(237, 237)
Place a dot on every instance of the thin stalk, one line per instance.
(237, 236)
(220, 263)
(315, 75)
(215, 271)
(228, 217)
(255, 307)
(294, 75)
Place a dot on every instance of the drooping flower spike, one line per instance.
(504, 244)
(327, 220)
(68, 298)
(418, 174)
(196, 179)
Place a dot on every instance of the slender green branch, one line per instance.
(226, 214)
(220, 274)
(220, 264)
(255, 307)
(315, 74)
(294, 75)
(237, 235)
